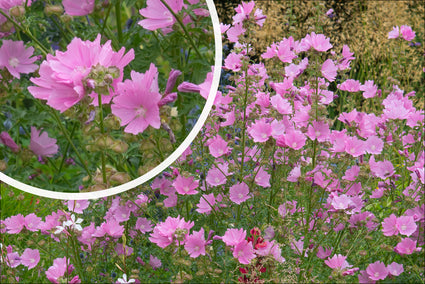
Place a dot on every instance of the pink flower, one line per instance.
(171, 200)
(329, 70)
(394, 33)
(352, 173)
(320, 42)
(239, 193)
(284, 51)
(349, 85)
(59, 268)
(242, 12)
(15, 224)
(137, 102)
(164, 233)
(233, 62)
(42, 145)
(374, 145)
(205, 203)
(369, 89)
(154, 262)
(233, 237)
(120, 250)
(406, 225)
(282, 105)
(158, 16)
(406, 246)
(342, 202)
(143, 225)
(407, 32)
(244, 252)
(30, 258)
(195, 243)
(78, 206)
(382, 169)
(13, 259)
(224, 28)
(389, 226)
(234, 32)
(354, 146)
(67, 77)
(319, 130)
(364, 277)
(377, 271)
(218, 147)
(271, 248)
(395, 269)
(216, 177)
(78, 8)
(262, 178)
(323, 252)
(185, 185)
(347, 57)
(294, 139)
(338, 261)
(110, 227)
(260, 131)
(8, 141)
(16, 58)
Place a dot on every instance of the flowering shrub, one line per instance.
(275, 189)
(104, 96)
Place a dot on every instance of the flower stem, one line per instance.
(102, 131)
(26, 31)
(118, 19)
(192, 43)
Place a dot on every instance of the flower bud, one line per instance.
(17, 11)
(3, 166)
(119, 147)
(104, 142)
(114, 71)
(174, 74)
(112, 122)
(53, 10)
(6, 27)
(119, 178)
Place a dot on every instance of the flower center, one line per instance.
(14, 62)
(240, 195)
(186, 189)
(403, 227)
(141, 111)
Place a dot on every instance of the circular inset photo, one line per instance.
(97, 98)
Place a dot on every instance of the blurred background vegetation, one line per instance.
(362, 25)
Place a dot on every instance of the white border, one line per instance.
(168, 161)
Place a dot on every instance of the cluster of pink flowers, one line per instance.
(66, 78)
(269, 148)
(404, 31)
(158, 16)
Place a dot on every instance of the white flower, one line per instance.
(123, 280)
(72, 224)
